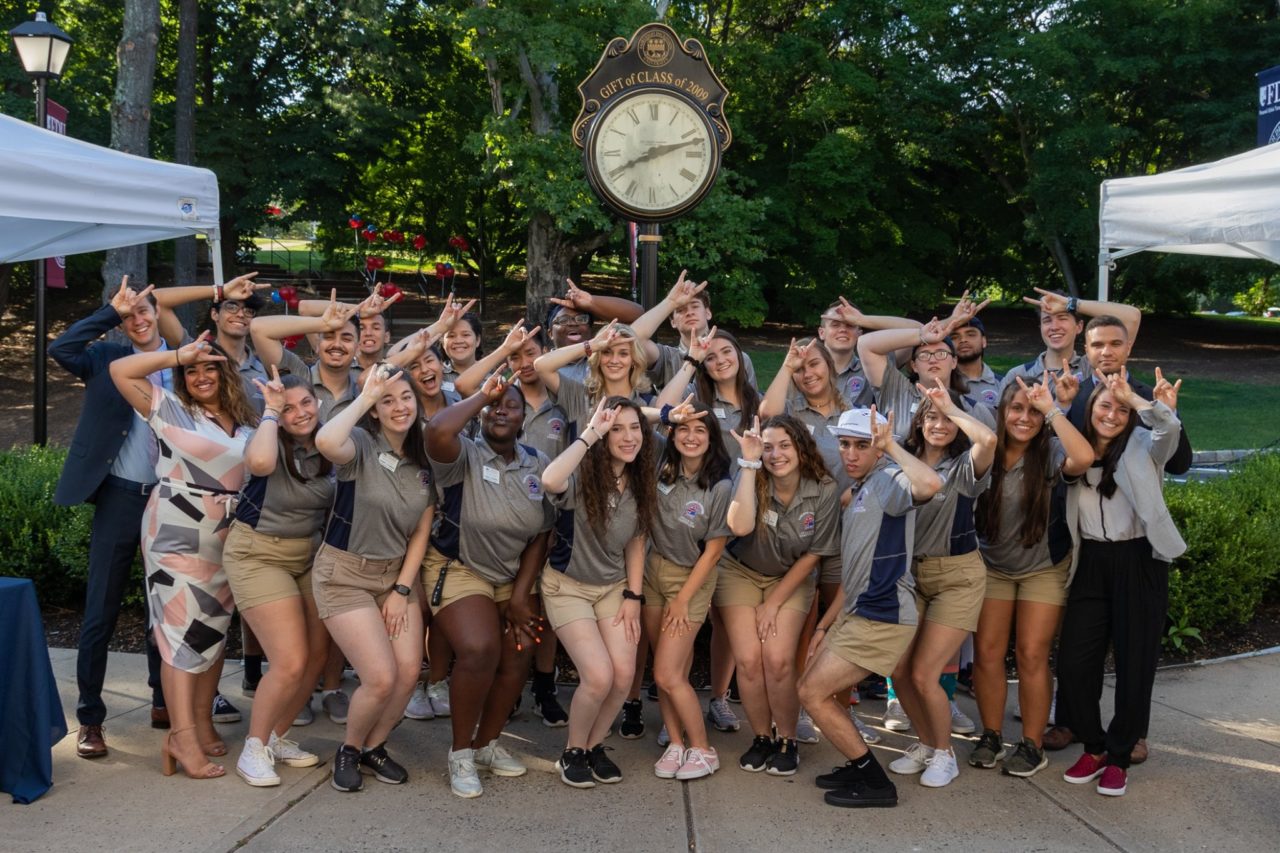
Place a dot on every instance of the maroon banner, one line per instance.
(55, 269)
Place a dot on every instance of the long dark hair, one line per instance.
(916, 444)
(288, 443)
(597, 476)
(748, 396)
(415, 440)
(1036, 488)
(715, 462)
(810, 459)
(231, 396)
(1115, 448)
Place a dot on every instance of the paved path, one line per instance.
(1211, 784)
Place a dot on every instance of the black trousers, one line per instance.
(1119, 597)
(113, 542)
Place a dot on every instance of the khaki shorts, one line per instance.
(262, 568)
(949, 590)
(874, 646)
(738, 586)
(663, 581)
(344, 581)
(831, 570)
(1047, 586)
(459, 582)
(566, 600)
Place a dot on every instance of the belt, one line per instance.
(131, 486)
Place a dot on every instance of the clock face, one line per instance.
(652, 154)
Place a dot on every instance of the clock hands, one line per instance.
(650, 153)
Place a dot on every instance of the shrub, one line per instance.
(1232, 530)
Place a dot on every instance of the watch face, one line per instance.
(652, 154)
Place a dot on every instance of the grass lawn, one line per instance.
(1249, 409)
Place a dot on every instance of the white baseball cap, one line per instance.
(856, 423)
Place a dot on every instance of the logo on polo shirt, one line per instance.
(555, 427)
(424, 479)
(692, 510)
(533, 487)
(989, 397)
(808, 522)
(860, 500)
(856, 384)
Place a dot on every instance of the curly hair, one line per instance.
(638, 378)
(1036, 490)
(810, 460)
(1115, 448)
(232, 398)
(715, 462)
(597, 477)
(833, 390)
(916, 444)
(288, 443)
(748, 396)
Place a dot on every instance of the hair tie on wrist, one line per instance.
(664, 415)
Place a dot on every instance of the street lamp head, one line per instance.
(42, 47)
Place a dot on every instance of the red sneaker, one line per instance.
(1086, 769)
(1112, 783)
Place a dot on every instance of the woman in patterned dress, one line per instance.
(201, 430)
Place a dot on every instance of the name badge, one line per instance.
(491, 475)
(771, 518)
(666, 488)
(718, 412)
(389, 461)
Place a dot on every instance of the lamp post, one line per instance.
(42, 47)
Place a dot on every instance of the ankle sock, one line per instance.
(948, 682)
(253, 667)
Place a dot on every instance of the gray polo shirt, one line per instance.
(490, 509)
(546, 428)
(670, 359)
(585, 553)
(853, 384)
(986, 388)
(250, 369)
(828, 445)
(809, 525)
(899, 395)
(577, 371)
(876, 543)
(1006, 553)
(575, 402)
(944, 525)
(688, 516)
(379, 499)
(329, 405)
(1033, 370)
(279, 505)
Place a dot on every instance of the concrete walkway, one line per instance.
(1211, 783)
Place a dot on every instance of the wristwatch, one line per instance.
(631, 596)
(402, 589)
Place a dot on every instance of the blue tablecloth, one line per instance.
(31, 719)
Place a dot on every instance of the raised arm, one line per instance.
(262, 452)
(648, 323)
(471, 379)
(267, 332)
(1079, 451)
(925, 482)
(742, 509)
(549, 363)
(443, 429)
(775, 398)
(601, 307)
(874, 349)
(130, 373)
(687, 372)
(334, 438)
(555, 478)
(1056, 303)
(240, 288)
(982, 439)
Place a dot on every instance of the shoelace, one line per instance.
(463, 766)
(284, 746)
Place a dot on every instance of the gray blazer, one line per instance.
(1140, 478)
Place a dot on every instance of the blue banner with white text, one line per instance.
(1269, 106)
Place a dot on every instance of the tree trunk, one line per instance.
(1063, 260)
(131, 120)
(184, 142)
(549, 261)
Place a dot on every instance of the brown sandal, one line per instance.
(171, 761)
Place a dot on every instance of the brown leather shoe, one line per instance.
(1139, 753)
(90, 743)
(159, 717)
(1058, 737)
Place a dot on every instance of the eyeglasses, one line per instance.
(572, 320)
(233, 307)
(933, 355)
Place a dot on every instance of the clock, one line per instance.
(651, 154)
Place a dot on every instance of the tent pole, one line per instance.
(1104, 275)
(215, 255)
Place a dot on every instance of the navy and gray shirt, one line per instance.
(810, 524)
(279, 505)
(944, 525)
(876, 548)
(585, 553)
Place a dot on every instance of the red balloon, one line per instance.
(291, 341)
(388, 290)
(419, 242)
(440, 270)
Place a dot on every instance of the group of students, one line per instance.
(854, 519)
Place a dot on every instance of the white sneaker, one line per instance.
(960, 722)
(463, 778)
(895, 717)
(256, 765)
(869, 735)
(498, 761)
(914, 760)
(942, 769)
(419, 707)
(438, 693)
(806, 732)
(664, 737)
(288, 752)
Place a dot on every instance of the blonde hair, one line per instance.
(638, 379)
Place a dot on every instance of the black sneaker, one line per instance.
(602, 766)
(546, 706)
(1027, 760)
(989, 750)
(839, 777)
(785, 758)
(861, 794)
(575, 768)
(224, 711)
(874, 687)
(653, 691)
(383, 767)
(632, 726)
(346, 770)
(755, 758)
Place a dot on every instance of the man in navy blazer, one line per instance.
(111, 464)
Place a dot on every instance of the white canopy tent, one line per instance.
(62, 196)
(1228, 208)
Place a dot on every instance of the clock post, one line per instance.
(652, 132)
